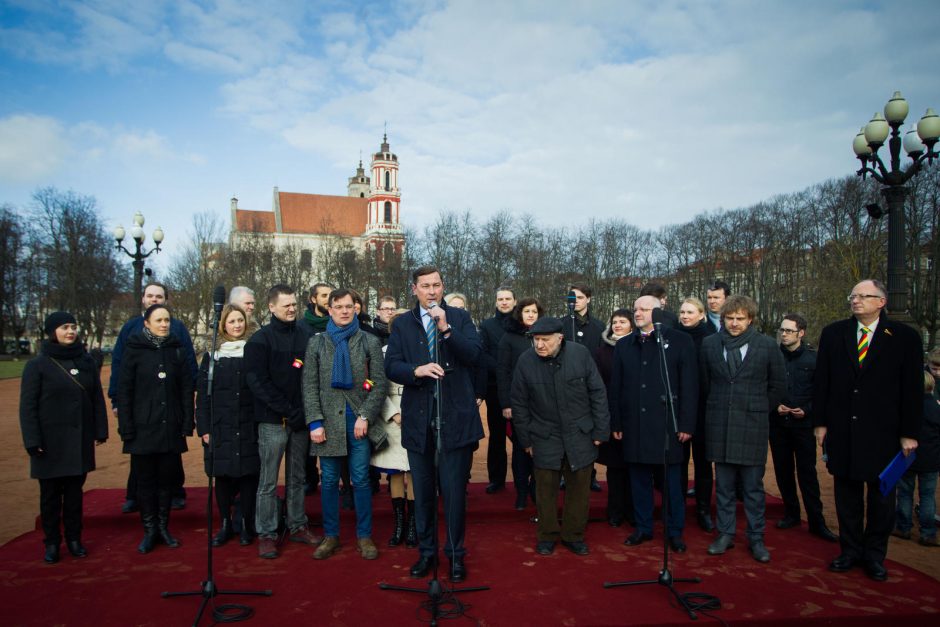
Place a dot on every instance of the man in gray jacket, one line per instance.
(559, 412)
(743, 375)
(344, 387)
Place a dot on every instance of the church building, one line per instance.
(369, 216)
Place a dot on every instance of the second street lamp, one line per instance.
(919, 145)
(139, 254)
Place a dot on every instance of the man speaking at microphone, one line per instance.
(435, 343)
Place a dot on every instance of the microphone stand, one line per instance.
(207, 589)
(571, 316)
(435, 591)
(665, 575)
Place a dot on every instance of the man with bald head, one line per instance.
(867, 406)
(642, 421)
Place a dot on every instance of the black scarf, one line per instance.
(156, 340)
(733, 345)
(62, 351)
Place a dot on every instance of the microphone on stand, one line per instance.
(572, 298)
(658, 319)
(218, 302)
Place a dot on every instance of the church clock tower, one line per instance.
(384, 232)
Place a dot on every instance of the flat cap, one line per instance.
(545, 326)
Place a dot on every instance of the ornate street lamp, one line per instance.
(919, 145)
(137, 232)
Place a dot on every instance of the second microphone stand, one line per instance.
(665, 575)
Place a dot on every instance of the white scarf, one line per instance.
(235, 348)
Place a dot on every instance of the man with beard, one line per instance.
(317, 314)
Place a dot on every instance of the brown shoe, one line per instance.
(368, 549)
(328, 546)
(305, 536)
(267, 549)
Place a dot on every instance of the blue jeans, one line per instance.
(359, 453)
(927, 489)
(273, 441)
(752, 478)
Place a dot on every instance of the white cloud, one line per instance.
(32, 148)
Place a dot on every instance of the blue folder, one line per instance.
(893, 472)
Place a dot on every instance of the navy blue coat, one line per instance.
(460, 351)
(637, 391)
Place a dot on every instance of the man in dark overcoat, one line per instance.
(491, 332)
(560, 414)
(867, 403)
(436, 343)
(642, 421)
(743, 375)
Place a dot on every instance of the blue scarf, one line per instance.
(342, 365)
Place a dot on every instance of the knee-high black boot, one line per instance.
(411, 529)
(149, 519)
(164, 497)
(398, 509)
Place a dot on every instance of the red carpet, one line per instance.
(117, 586)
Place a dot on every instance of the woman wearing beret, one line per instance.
(155, 414)
(62, 417)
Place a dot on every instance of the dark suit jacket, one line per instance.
(737, 405)
(459, 353)
(867, 410)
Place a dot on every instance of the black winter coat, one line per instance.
(637, 391)
(698, 333)
(559, 407)
(587, 331)
(459, 353)
(233, 432)
(512, 344)
(155, 397)
(274, 358)
(928, 444)
(867, 410)
(491, 332)
(62, 413)
(801, 367)
(609, 453)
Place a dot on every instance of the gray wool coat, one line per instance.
(737, 406)
(326, 403)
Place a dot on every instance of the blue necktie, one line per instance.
(431, 331)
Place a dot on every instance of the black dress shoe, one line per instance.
(677, 545)
(545, 547)
(578, 547)
(493, 488)
(129, 507)
(822, 531)
(788, 522)
(875, 570)
(76, 549)
(52, 554)
(705, 521)
(458, 572)
(423, 566)
(521, 499)
(615, 521)
(637, 537)
(690, 493)
(843, 563)
(178, 502)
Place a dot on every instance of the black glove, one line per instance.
(296, 420)
(35, 451)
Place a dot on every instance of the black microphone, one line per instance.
(218, 301)
(572, 298)
(657, 319)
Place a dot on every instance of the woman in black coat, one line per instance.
(513, 343)
(610, 453)
(692, 320)
(226, 424)
(155, 414)
(62, 417)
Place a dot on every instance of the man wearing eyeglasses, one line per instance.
(791, 434)
(867, 405)
(383, 315)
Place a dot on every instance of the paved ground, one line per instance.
(19, 497)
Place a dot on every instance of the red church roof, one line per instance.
(308, 213)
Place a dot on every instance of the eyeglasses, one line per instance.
(788, 331)
(854, 297)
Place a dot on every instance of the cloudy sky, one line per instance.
(648, 111)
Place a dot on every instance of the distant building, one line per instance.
(369, 216)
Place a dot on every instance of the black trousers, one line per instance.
(452, 475)
(156, 472)
(60, 500)
(619, 493)
(864, 532)
(178, 489)
(522, 467)
(794, 452)
(496, 446)
(703, 473)
(246, 488)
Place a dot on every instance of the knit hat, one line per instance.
(55, 320)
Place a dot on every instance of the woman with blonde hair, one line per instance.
(226, 424)
(393, 460)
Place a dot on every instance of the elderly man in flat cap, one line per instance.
(559, 412)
